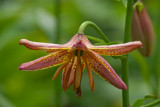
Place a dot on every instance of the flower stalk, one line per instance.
(125, 93)
(89, 23)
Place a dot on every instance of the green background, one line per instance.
(36, 20)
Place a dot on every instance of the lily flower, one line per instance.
(74, 56)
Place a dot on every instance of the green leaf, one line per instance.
(153, 103)
(138, 102)
(150, 96)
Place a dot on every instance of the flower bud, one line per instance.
(142, 29)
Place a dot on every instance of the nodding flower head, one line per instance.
(74, 56)
(142, 29)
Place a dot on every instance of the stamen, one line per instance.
(78, 73)
(59, 69)
(79, 92)
(91, 79)
(66, 78)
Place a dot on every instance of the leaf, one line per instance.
(150, 96)
(153, 103)
(139, 102)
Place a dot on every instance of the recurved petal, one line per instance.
(102, 68)
(48, 47)
(116, 50)
(66, 46)
(47, 61)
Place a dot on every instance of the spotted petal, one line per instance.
(47, 61)
(48, 47)
(102, 68)
(116, 50)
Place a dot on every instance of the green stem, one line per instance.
(89, 23)
(125, 93)
(128, 21)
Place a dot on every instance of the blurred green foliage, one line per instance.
(36, 20)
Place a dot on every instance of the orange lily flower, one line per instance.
(74, 56)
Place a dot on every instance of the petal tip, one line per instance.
(124, 87)
(22, 41)
(140, 44)
(20, 67)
